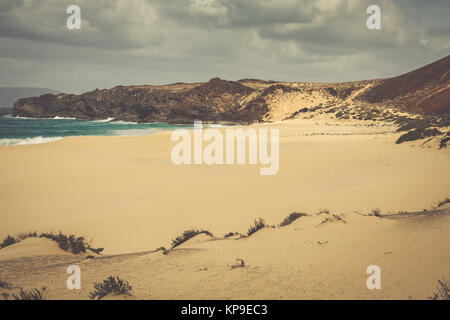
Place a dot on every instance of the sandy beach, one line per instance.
(127, 195)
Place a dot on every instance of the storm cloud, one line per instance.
(161, 41)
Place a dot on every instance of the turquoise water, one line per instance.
(19, 131)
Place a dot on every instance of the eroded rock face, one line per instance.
(214, 101)
(425, 91)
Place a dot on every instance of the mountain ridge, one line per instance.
(425, 91)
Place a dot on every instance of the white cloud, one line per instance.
(154, 41)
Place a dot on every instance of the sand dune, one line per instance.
(31, 247)
(126, 194)
(305, 260)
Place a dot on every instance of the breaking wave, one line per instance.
(25, 141)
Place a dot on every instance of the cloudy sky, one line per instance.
(163, 41)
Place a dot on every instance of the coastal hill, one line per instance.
(9, 95)
(425, 91)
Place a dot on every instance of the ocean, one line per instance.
(21, 131)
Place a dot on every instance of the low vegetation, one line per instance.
(323, 211)
(112, 285)
(257, 225)
(9, 240)
(333, 218)
(5, 285)
(419, 133)
(443, 290)
(375, 212)
(163, 249)
(69, 243)
(230, 234)
(188, 234)
(443, 202)
(443, 142)
(410, 124)
(239, 264)
(291, 218)
(33, 294)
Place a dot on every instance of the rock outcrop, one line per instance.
(214, 101)
(425, 91)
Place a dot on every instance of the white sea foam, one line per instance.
(25, 141)
(63, 118)
(104, 120)
(124, 122)
(54, 118)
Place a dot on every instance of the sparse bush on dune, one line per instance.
(234, 234)
(71, 243)
(9, 240)
(417, 134)
(68, 243)
(239, 264)
(112, 285)
(163, 249)
(375, 212)
(444, 141)
(33, 294)
(24, 235)
(188, 234)
(323, 211)
(409, 124)
(258, 225)
(5, 285)
(443, 291)
(230, 234)
(333, 218)
(291, 218)
(443, 202)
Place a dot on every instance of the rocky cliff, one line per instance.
(214, 101)
(425, 91)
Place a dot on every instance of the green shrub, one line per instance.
(443, 291)
(291, 218)
(440, 204)
(230, 234)
(33, 294)
(323, 211)
(188, 234)
(68, 243)
(163, 249)
(239, 264)
(5, 285)
(443, 142)
(112, 285)
(24, 235)
(71, 243)
(417, 134)
(258, 225)
(333, 218)
(9, 240)
(410, 124)
(375, 212)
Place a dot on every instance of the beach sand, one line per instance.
(125, 193)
